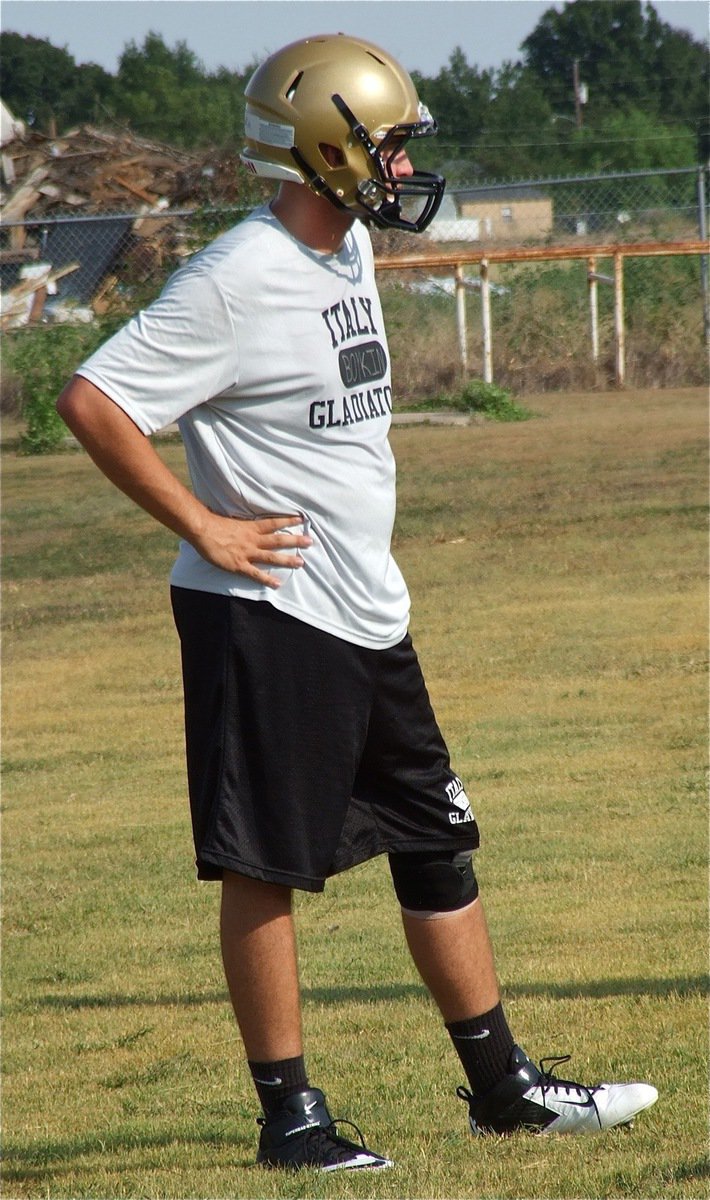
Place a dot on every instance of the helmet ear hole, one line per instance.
(333, 155)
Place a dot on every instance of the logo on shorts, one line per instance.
(458, 798)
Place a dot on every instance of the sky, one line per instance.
(236, 33)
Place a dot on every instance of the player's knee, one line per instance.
(429, 883)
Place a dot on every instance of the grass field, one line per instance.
(558, 574)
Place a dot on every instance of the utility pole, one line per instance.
(703, 225)
(577, 94)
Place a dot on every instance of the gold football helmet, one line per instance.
(341, 92)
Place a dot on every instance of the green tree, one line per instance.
(648, 88)
(631, 141)
(166, 94)
(678, 74)
(627, 57)
(458, 98)
(605, 38)
(43, 85)
(517, 138)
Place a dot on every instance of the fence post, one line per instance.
(461, 315)
(620, 349)
(703, 227)
(593, 307)
(486, 320)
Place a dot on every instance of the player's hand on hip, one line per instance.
(249, 546)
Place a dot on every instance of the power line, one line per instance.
(609, 135)
(482, 144)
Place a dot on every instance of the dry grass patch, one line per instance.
(558, 573)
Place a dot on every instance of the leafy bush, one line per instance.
(42, 360)
(476, 396)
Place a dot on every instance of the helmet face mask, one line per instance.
(335, 113)
(383, 192)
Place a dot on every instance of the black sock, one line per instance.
(483, 1044)
(276, 1080)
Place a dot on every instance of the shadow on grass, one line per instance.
(32, 1163)
(690, 1171)
(36, 1161)
(684, 985)
(33, 1160)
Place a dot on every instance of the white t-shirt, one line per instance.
(273, 360)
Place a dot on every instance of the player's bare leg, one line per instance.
(260, 965)
(454, 957)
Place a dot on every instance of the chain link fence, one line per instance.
(86, 266)
(636, 206)
(82, 269)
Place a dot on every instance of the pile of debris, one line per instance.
(96, 171)
(94, 219)
(92, 207)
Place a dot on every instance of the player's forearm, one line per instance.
(127, 457)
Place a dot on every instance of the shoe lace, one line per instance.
(548, 1081)
(325, 1138)
(328, 1138)
(552, 1083)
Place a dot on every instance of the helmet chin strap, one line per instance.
(316, 182)
(387, 216)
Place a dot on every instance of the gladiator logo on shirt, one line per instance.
(350, 410)
(361, 364)
(458, 798)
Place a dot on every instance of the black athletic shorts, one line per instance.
(307, 754)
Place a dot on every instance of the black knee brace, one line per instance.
(434, 881)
